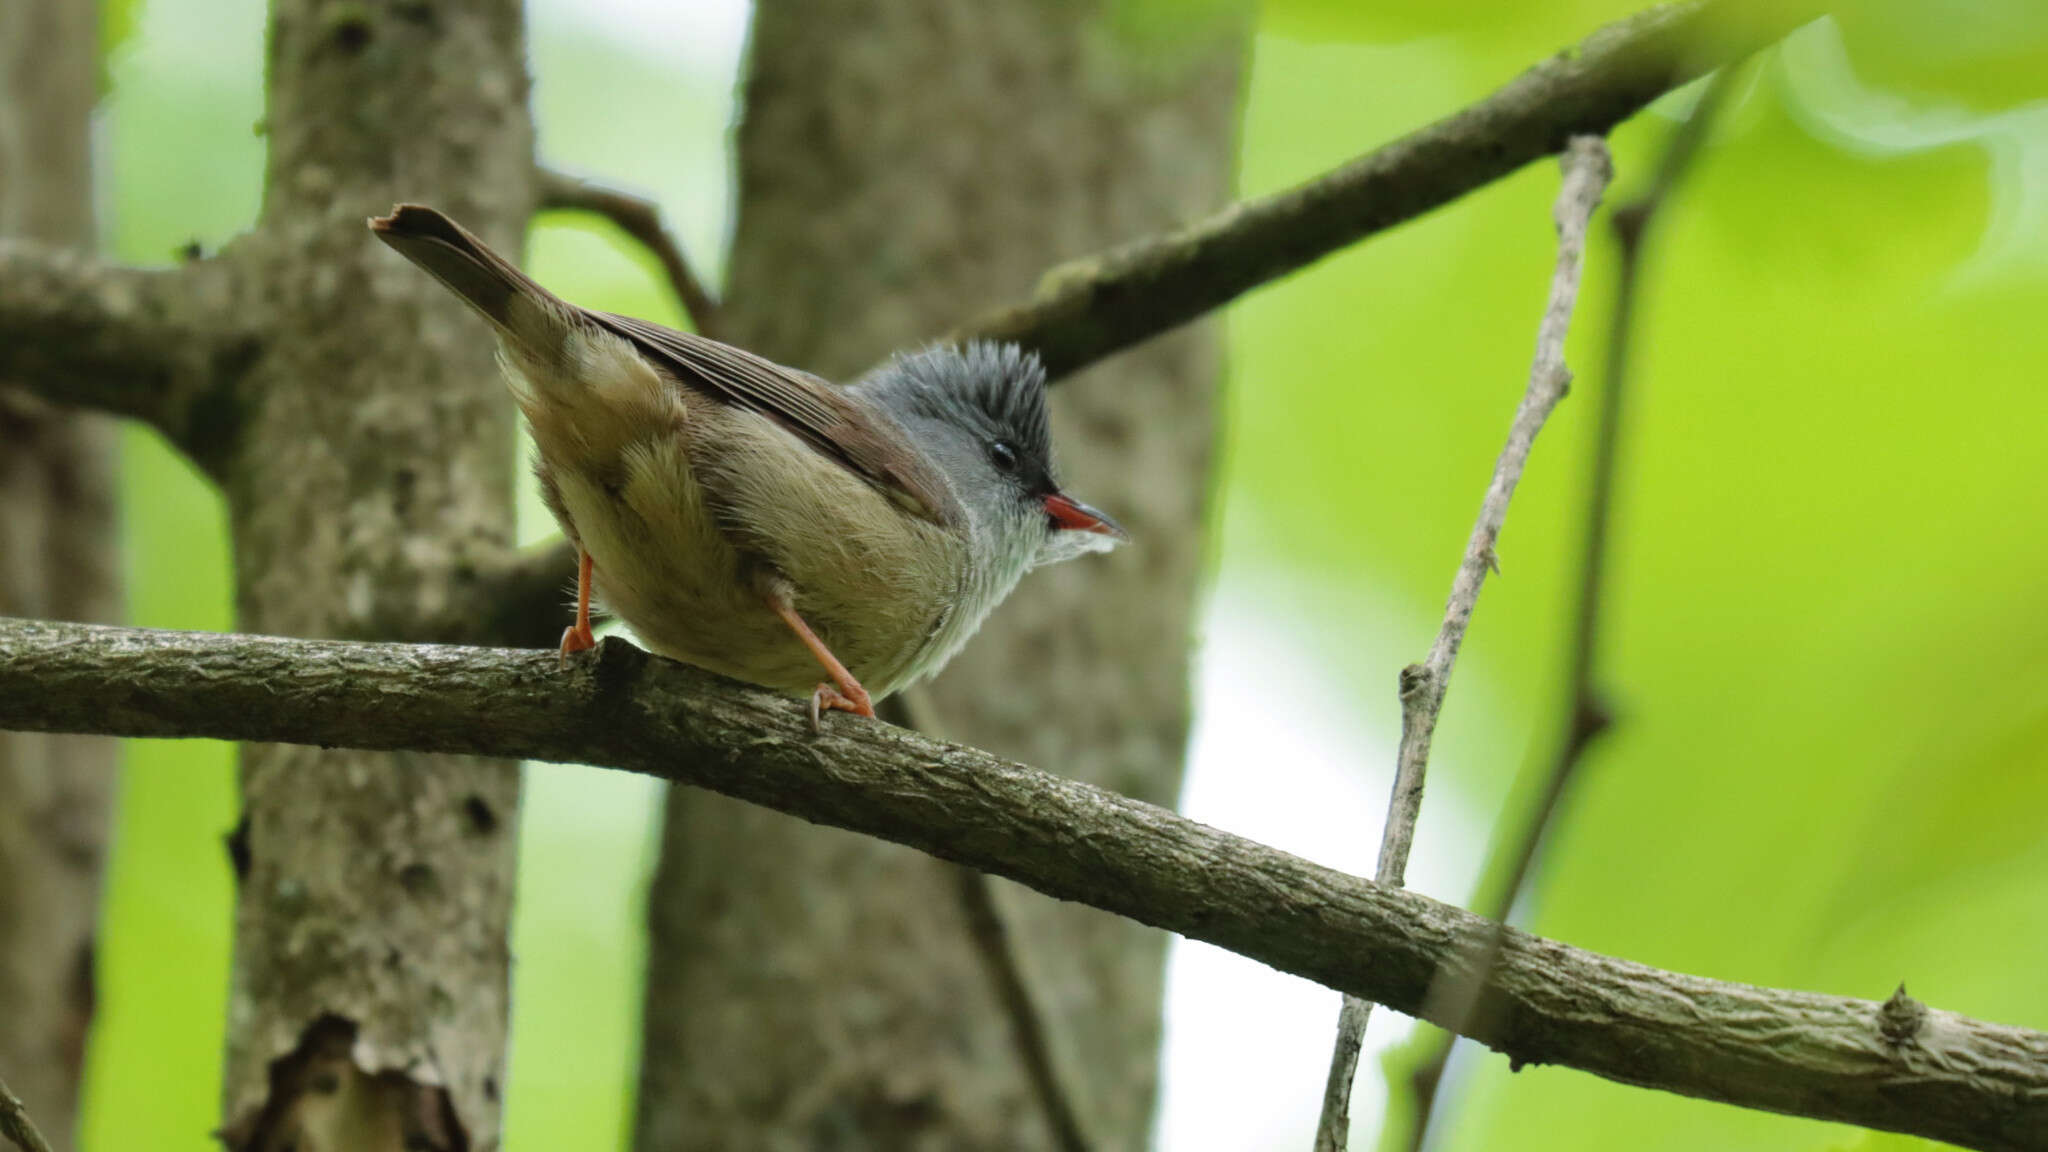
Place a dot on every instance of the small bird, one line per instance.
(756, 520)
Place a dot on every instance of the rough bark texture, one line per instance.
(373, 467)
(902, 165)
(155, 345)
(58, 560)
(1899, 1066)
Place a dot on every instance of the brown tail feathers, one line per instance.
(518, 307)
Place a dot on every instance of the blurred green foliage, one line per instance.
(1826, 643)
(1825, 639)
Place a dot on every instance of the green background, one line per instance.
(1826, 635)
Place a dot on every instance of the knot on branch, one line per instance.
(1900, 1019)
(1416, 681)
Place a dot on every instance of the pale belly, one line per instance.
(878, 587)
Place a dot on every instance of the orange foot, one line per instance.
(827, 698)
(575, 638)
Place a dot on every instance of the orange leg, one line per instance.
(577, 637)
(849, 696)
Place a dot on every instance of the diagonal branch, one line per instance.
(1587, 170)
(1092, 307)
(156, 345)
(1899, 1066)
(639, 218)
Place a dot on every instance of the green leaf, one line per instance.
(1985, 55)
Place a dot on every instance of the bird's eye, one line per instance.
(1002, 456)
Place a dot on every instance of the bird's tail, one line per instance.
(530, 317)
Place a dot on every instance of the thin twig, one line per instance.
(1588, 713)
(1586, 172)
(15, 1124)
(1936, 1074)
(639, 218)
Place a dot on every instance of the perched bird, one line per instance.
(756, 520)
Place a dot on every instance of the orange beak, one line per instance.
(1070, 515)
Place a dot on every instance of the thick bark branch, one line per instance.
(1899, 1066)
(156, 345)
(1092, 307)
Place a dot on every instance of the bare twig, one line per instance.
(1935, 1074)
(989, 931)
(15, 1124)
(1586, 172)
(639, 218)
(1092, 307)
(1588, 713)
(159, 345)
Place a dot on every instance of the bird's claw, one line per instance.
(828, 698)
(575, 638)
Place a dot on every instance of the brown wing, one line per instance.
(872, 447)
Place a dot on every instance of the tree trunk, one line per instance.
(373, 471)
(903, 165)
(57, 560)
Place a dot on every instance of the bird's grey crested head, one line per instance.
(997, 390)
(980, 411)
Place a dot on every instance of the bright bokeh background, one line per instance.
(1828, 635)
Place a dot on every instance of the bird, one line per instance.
(759, 521)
